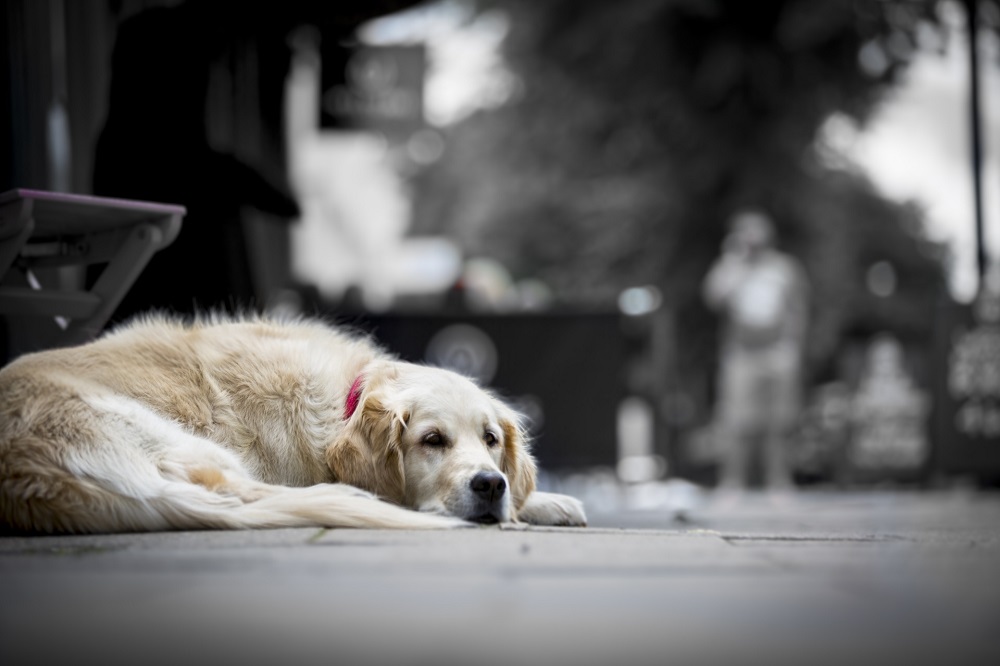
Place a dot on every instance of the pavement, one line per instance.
(664, 575)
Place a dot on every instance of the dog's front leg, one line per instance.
(542, 508)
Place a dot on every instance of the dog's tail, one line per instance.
(189, 506)
(82, 505)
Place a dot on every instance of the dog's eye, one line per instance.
(490, 439)
(433, 439)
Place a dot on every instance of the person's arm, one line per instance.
(722, 279)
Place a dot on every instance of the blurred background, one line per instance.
(532, 193)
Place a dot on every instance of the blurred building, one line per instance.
(356, 132)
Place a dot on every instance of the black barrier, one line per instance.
(563, 371)
(967, 391)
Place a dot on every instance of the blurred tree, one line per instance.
(640, 125)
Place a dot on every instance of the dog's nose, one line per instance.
(488, 485)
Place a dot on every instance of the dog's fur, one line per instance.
(252, 423)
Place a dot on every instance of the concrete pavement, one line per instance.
(884, 577)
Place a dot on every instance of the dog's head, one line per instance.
(432, 440)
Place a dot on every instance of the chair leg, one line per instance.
(116, 279)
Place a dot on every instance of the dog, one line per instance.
(241, 423)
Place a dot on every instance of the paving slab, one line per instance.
(829, 578)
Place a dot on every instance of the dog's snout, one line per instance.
(488, 485)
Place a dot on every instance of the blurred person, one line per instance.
(761, 296)
(155, 146)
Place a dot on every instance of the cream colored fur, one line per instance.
(241, 424)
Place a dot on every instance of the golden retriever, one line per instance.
(255, 423)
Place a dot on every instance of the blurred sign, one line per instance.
(379, 88)
(968, 422)
(974, 380)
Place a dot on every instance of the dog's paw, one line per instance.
(553, 509)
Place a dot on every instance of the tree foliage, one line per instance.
(640, 125)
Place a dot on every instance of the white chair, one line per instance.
(50, 230)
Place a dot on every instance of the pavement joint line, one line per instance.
(61, 551)
(871, 538)
(618, 531)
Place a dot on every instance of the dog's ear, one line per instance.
(517, 462)
(369, 454)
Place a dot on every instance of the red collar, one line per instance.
(353, 398)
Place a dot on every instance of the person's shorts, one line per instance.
(759, 389)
